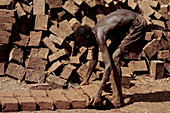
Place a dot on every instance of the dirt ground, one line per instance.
(144, 96)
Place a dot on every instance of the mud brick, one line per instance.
(145, 8)
(39, 52)
(82, 50)
(56, 80)
(59, 100)
(138, 65)
(54, 67)
(54, 3)
(99, 17)
(158, 23)
(6, 94)
(38, 93)
(38, 7)
(6, 13)
(6, 26)
(2, 68)
(34, 75)
(5, 33)
(20, 10)
(100, 57)
(90, 3)
(26, 8)
(82, 70)
(75, 60)
(74, 24)
(87, 21)
(35, 38)
(167, 68)
(126, 77)
(4, 40)
(21, 93)
(77, 100)
(44, 103)
(152, 48)
(164, 54)
(41, 22)
(39, 86)
(7, 20)
(164, 8)
(67, 71)
(48, 43)
(156, 69)
(27, 103)
(148, 36)
(23, 42)
(132, 4)
(158, 33)
(58, 32)
(6, 3)
(57, 55)
(153, 3)
(16, 54)
(55, 39)
(89, 55)
(9, 104)
(70, 7)
(79, 2)
(158, 15)
(65, 24)
(36, 63)
(16, 71)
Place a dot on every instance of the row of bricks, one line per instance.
(41, 100)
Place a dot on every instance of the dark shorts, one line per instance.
(134, 42)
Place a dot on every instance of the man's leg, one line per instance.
(117, 98)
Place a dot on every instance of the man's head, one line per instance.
(84, 36)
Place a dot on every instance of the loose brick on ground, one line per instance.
(164, 54)
(6, 26)
(36, 63)
(74, 24)
(38, 93)
(23, 42)
(39, 86)
(156, 69)
(35, 38)
(54, 3)
(70, 7)
(7, 20)
(126, 76)
(60, 101)
(27, 103)
(44, 103)
(75, 60)
(9, 104)
(132, 4)
(148, 36)
(41, 22)
(6, 13)
(16, 54)
(158, 23)
(35, 75)
(4, 40)
(20, 11)
(55, 39)
(39, 52)
(138, 65)
(57, 55)
(2, 68)
(26, 8)
(152, 48)
(87, 21)
(77, 100)
(16, 71)
(67, 71)
(6, 94)
(145, 8)
(54, 67)
(21, 93)
(38, 7)
(6, 3)
(48, 43)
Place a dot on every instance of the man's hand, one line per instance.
(96, 100)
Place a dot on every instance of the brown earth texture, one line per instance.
(144, 96)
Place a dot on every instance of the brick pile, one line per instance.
(37, 44)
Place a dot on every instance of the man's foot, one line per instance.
(96, 100)
(117, 102)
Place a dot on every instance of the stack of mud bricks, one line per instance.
(37, 39)
(43, 99)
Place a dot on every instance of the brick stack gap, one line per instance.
(37, 39)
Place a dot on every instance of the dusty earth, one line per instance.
(144, 96)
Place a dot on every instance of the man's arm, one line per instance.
(92, 64)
